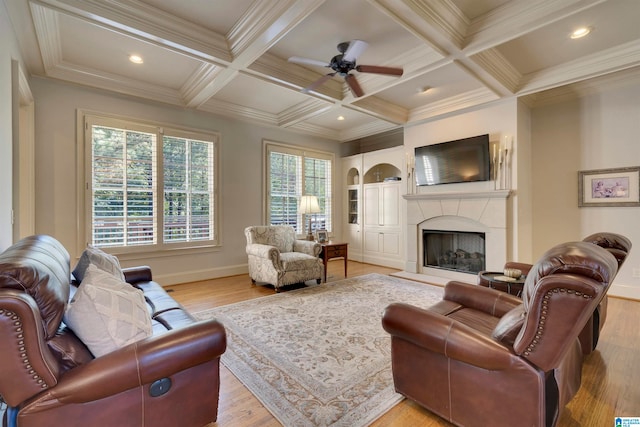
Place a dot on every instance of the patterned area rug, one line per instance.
(318, 356)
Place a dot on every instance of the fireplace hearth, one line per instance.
(461, 251)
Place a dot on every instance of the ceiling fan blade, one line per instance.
(318, 83)
(379, 70)
(354, 85)
(307, 61)
(355, 49)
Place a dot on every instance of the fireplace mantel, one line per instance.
(496, 194)
(483, 211)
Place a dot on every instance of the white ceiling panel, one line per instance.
(613, 23)
(216, 15)
(101, 49)
(254, 93)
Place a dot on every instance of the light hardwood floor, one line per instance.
(610, 381)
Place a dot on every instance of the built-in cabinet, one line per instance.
(374, 215)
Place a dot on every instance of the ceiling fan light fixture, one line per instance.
(578, 33)
(136, 59)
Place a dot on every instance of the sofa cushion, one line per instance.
(99, 258)
(292, 261)
(107, 313)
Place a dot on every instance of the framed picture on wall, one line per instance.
(609, 187)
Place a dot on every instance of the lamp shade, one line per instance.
(308, 205)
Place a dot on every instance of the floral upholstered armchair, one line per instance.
(277, 258)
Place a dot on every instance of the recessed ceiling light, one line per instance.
(580, 32)
(136, 59)
(340, 118)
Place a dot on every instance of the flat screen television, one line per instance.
(462, 160)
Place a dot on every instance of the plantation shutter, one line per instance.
(123, 183)
(188, 189)
(291, 173)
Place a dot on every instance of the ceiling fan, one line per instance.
(343, 64)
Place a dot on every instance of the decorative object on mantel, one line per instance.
(609, 187)
(411, 167)
(501, 160)
(309, 206)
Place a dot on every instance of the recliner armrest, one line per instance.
(141, 273)
(441, 334)
(142, 363)
(490, 301)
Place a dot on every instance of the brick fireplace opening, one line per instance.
(462, 251)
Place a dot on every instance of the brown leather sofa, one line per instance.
(619, 246)
(484, 357)
(49, 377)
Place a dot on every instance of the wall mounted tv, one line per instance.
(462, 160)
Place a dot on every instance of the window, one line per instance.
(292, 172)
(149, 186)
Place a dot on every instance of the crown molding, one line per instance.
(228, 109)
(365, 130)
(302, 111)
(611, 60)
(516, 18)
(195, 85)
(45, 22)
(115, 83)
(494, 63)
(378, 108)
(469, 99)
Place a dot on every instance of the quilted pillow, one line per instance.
(100, 259)
(107, 313)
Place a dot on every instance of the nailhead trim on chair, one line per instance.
(543, 318)
(23, 353)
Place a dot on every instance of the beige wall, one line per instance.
(599, 130)
(241, 179)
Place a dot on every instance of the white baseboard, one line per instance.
(196, 276)
(624, 291)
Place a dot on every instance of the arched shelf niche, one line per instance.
(379, 172)
(353, 177)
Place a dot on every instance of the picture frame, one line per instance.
(609, 187)
(322, 236)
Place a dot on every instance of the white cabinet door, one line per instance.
(390, 205)
(372, 204)
(382, 204)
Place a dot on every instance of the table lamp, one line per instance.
(308, 206)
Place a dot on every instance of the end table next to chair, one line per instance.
(332, 250)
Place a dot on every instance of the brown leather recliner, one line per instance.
(49, 377)
(619, 246)
(484, 357)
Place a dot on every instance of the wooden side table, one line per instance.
(497, 280)
(331, 250)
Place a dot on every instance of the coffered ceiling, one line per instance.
(229, 57)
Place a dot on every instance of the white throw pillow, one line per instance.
(107, 313)
(99, 258)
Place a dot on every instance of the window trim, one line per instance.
(304, 152)
(83, 179)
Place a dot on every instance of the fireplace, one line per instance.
(461, 251)
(482, 212)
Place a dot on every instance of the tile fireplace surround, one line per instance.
(484, 212)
